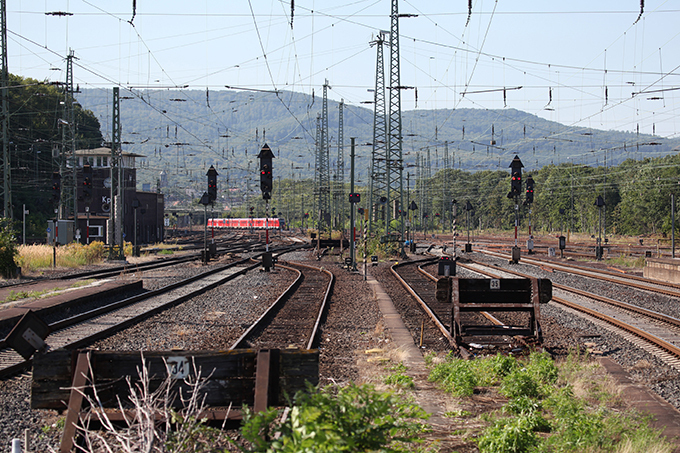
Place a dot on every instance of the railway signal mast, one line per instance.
(266, 186)
(515, 192)
(212, 191)
(528, 200)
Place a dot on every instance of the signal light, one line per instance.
(530, 191)
(212, 183)
(56, 186)
(87, 187)
(266, 177)
(354, 198)
(516, 180)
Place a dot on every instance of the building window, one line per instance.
(96, 231)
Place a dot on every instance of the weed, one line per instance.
(513, 435)
(456, 376)
(520, 383)
(543, 398)
(32, 257)
(429, 358)
(399, 380)
(459, 413)
(352, 418)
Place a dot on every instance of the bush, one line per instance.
(514, 435)
(520, 383)
(456, 376)
(8, 249)
(352, 418)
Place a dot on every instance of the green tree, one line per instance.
(8, 249)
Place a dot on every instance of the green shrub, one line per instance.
(352, 418)
(515, 435)
(574, 425)
(523, 405)
(520, 383)
(456, 376)
(542, 367)
(8, 249)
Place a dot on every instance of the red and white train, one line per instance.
(257, 223)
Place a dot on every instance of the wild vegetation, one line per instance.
(549, 407)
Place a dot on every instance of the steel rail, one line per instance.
(111, 308)
(613, 321)
(433, 316)
(586, 272)
(260, 324)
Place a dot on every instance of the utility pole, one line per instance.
(116, 212)
(378, 176)
(4, 113)
(324, 168)
(69, 188)
(445, 203)
(352, 226)
(395, 163)
(340, 169)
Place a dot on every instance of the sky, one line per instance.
(582, 63)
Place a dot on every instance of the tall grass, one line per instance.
(34, 257)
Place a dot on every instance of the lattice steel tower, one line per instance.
(395, 163)
(339, 191)
(378, 186)
(323, 167)
(4, 113)
(67, 165)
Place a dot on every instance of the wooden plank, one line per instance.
(75, 402)
(232, 380)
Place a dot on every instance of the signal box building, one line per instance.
(94, 206)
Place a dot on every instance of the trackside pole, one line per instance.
(266, 226)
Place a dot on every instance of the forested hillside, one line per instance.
(185, 131)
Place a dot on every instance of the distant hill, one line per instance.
(185, 131)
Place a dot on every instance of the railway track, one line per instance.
(85, 328)
(655, 332)
(293, 320)
(233, 245)
(422, 288)
(633, 281)
(420, 283)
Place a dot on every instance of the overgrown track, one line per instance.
(422, 288)
(295, 317)
(639, 325)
